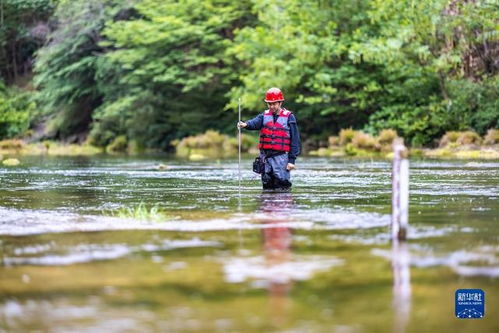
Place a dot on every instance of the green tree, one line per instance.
(440, 49)
(66, 68)
(167, 70)
(302, 47)
(16, 108)
(23, 29)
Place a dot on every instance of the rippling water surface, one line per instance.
(318, 259)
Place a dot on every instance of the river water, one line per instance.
(230, 258)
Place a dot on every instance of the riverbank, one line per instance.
(211, 144)
(52, 148)
(466, 152)
(453, 145)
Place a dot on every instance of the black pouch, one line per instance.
(259, 165)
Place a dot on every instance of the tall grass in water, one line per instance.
(142, 213)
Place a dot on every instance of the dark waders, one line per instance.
(276, 176)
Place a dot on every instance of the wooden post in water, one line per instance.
(400, 190)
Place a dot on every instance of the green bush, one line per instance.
(119, 145)
(475, 105)
(15, 110)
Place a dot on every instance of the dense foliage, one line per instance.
(169, 70)
(150, 71)
(15, 111)
(23, 29)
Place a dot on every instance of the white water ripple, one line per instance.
(92, 252)
(29, 222)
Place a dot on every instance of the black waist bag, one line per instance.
(259, 165)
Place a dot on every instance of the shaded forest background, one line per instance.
(153, 71)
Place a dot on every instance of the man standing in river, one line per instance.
(279, 141)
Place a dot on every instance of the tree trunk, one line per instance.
(1, 13)
(443, 87)
(14, 62)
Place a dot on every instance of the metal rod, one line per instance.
(239, 140)
(400, 190)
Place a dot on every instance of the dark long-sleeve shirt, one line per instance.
(257, 124)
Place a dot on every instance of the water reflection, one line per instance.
(401, 285)
(277, 208)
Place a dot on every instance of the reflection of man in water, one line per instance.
(277, 246)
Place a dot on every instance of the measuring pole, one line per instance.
(400, 190)
(239, 140)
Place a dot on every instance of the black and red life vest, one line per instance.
(275, 135)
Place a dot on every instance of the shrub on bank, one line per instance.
(454, 144)
(448, 138)
(365, 141)
(118, 145)
(492, 137)
(386, 136)
(346, 136)
(453, 139)
(19, 147)
(469, 138)
(16, 108)
(212, 144)
(12, 144)
(333, 141)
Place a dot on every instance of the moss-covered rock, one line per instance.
(11, 162)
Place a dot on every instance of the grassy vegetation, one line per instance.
(142, 212)
(19, 147)
(212, 144)
(350, 142)
(453, 144)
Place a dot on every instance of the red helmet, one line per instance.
(274, 95)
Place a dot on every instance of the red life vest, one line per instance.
(275, 135)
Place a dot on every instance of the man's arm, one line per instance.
(295, 139)
(254, 124)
